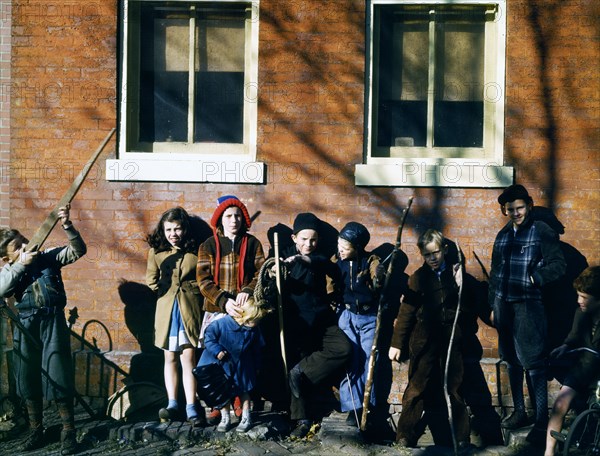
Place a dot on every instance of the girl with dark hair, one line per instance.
(171, 274)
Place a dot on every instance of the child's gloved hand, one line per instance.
(559, 352)
(380, 272)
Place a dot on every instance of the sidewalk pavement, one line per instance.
(100, 436)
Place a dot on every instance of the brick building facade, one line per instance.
(308, 140)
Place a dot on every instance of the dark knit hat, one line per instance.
(225, 202)
(306, 221)
(513, 193)
(356, 234)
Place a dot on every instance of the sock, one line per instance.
(65, 410)
(225, 417)
(190, 410)
(35, 412)
(246, 414)
(172, 404)
(540, 390)
(515, 377)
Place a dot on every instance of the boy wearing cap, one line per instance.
(362, 276)
(526, 256)
(315, 345)
(228, 265)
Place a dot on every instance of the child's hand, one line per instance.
(559, 352)
(63, 214)
(380, 273)
(241, 299)
(394, 354)
(26, 258)
(298, 257)
(232, 308)
(221, 355)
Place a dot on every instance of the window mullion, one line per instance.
(191, 77)
(431, 80)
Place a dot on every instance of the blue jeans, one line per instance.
(360, 329)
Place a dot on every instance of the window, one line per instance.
(189, 92)
(435, 94)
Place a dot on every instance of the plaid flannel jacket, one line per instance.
(524, 261)
(216, 295)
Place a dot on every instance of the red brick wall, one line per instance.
(5, 47)
(310, 134)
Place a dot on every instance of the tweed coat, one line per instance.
(216, 295)
(172, 274)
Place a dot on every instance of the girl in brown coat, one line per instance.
(171, 274)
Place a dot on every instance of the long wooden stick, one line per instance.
(373, 355)
(40, 236)
(280, 305)
(450, 344)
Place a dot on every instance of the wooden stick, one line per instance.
(280, 305)
(450, 344)
(40, 236)
(373, 355)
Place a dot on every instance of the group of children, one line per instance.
(205, 305)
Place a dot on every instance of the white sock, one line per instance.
(225, 417)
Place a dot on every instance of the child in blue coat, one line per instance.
(362, 278)
(236, 343)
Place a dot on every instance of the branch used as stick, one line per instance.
(450, 344)
(373, 354)
(280, 304)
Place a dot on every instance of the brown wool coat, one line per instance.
(172, 274)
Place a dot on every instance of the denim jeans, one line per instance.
(360, 329)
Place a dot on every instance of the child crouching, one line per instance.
(236, 343)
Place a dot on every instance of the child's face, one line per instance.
(517, 210)
(173, 232)
(588, 303)
(306, 241)
(433, 254)
(232, 221)
(13, 250)
(346, 250)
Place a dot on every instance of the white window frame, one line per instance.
(444, 167)
(198, 162)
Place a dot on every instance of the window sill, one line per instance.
(215, 171)
(424, 173)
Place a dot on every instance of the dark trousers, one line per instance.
(44, 368)
(425, 389)
(522, 333)
(477, 396)
(332, 353)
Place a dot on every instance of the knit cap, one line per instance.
(225, 202)
(306, 221)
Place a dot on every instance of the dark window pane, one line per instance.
(163, 106)
(459, 80)
(219, 86)
(458, 124)
(219, 107)
(402, 123)
(164, 52)
(402, 79)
